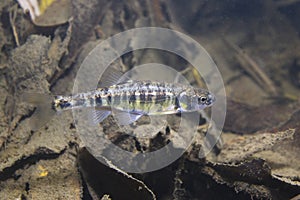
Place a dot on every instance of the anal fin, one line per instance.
(98, 116)
(126, 118)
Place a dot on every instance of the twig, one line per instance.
(252, 68)
(198, 78)
(12, 19)
(158, 15)
(112, 166)
(296, 197)
(194, 73)
(178, 75)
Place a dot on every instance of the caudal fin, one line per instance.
(44, 111)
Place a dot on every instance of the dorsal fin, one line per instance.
(112, 76)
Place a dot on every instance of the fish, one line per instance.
(128, 100)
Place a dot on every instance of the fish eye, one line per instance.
(202, 99)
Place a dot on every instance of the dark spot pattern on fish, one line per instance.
(64, 104)
(109, 99)
(105, 91)
(149, 97)
(98, 100)
(132, 98)
(158, 98)
(53, 105)
(142, 97)
(177, 104)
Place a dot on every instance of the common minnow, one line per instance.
(132, 99)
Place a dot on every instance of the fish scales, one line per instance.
(143, 96)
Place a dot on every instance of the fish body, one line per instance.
(140, 97)
(128, 101)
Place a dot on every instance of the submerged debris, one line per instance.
(257, 157)
(47, 12)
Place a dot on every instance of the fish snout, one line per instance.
(211, 98)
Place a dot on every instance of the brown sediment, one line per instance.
(259, 158)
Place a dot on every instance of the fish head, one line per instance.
(195, 99)
(204, 98)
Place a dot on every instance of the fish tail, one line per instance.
(44, 109)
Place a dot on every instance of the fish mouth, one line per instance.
(211, 99)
